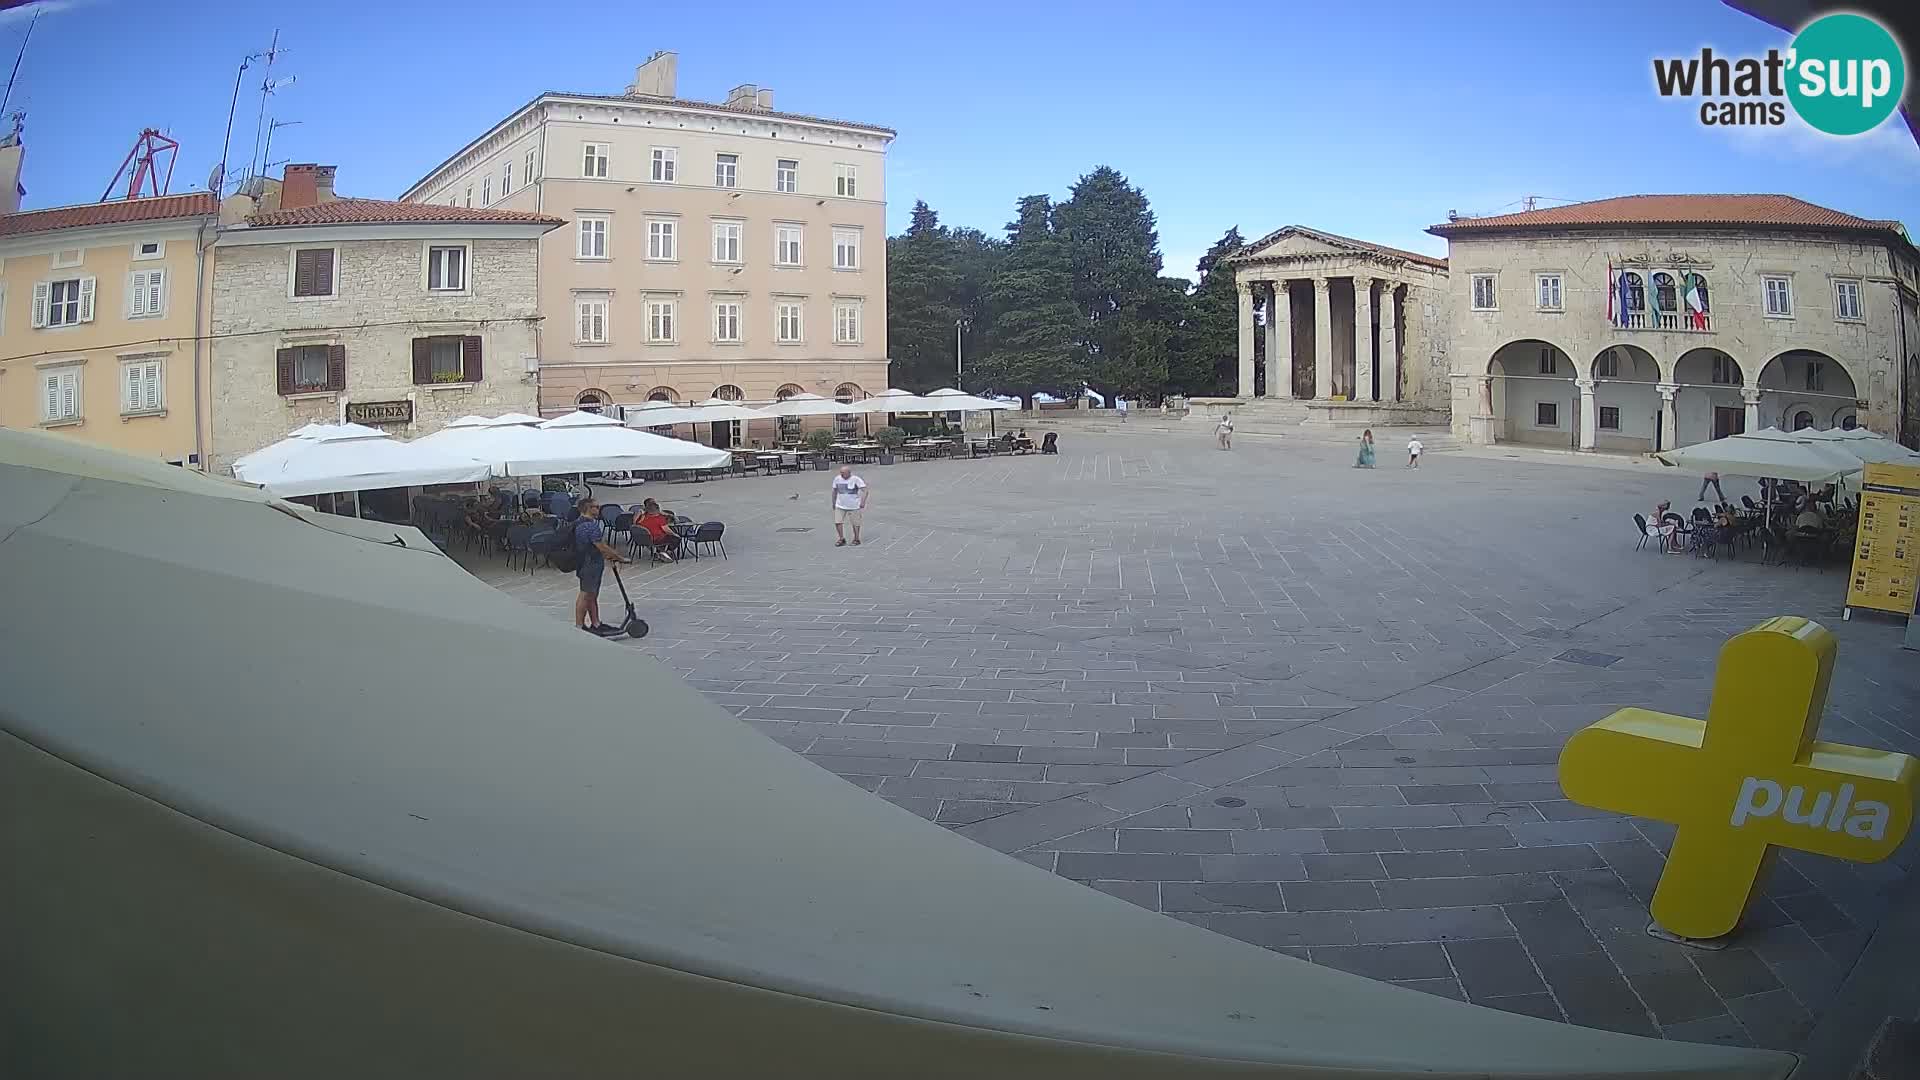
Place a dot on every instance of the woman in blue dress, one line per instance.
(1365, 460)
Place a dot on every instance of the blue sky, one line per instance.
(1372, 120)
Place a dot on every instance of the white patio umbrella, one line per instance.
(315, 791)
(1768, 453)
(715, 410)
(891, 401)
(503, 420)
(353, 462)
(580, 418)
(300, 435)
(1863, 444)
(961, 401)
(806, 405)
(576, 447)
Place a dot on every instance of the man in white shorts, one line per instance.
(849, 502)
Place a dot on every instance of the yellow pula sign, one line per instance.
(1747, 779)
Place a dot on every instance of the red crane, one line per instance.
(142, 166)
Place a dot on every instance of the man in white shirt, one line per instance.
(849, 503)
(1414, 447)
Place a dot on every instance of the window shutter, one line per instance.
(303, 273)
(40, 304)
(136, 295)
(86, 299)
(422, 361)
(470, 358)
(153, 385)
(336, 366)
(51, 410)
(69, 390)
(130, 395)
(156, 290)
(323, 272)
(283, 369)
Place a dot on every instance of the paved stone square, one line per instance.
(1311, 707)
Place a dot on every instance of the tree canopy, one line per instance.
(1073, 297)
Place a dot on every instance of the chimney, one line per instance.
(306, 185)
(764, 100)
(12, 155)
(743, 96)
(655, 78)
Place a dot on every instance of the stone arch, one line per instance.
(729, 392)
(592, 400)
(1711, 402)
(1627, 412)
(1808, 387)
(848, 392)
(1530, 393)
(663, 393)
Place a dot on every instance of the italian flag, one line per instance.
(1695, 303)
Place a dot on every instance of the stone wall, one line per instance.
(381, 305)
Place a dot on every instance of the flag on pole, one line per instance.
(1610, 297)
(1696, 302)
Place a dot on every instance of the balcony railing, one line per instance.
(1672, 322)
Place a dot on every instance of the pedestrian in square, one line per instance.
(1223, 431)
(591, 554)
(1414, 447)
(849, 501)
(1712, 481)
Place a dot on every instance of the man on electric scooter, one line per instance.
(592, 554)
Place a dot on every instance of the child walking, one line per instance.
(1414, 447)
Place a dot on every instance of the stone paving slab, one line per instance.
(1309, 707)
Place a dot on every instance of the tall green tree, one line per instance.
(921, 309)
(1113, 253)
(1036, 338)
(1210, 347)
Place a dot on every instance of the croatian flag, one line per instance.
(1611, 289)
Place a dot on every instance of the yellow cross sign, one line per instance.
(1749, 778)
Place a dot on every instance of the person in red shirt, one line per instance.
(659, 529)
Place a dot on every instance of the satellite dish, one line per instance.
(217, 177)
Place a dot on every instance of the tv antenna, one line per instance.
(266, 152)
(141, 166)
(17, 57)
(268, 84)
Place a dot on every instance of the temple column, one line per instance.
(1668, 439)
(1389, 344)
(1322, 341)
(1246, 340)
(1751, 398)
(1589, 413)
(1280, 342)
(1363, 339)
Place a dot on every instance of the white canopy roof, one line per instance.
(575, 447)
(951, 400)
(503, 420)
(1766, 453)
(1863, 444)
(807, 405)
(580, 418)
(364, 815)
(306, 432)
(348, 461)
(887, 401)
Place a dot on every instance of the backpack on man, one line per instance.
(566, 559)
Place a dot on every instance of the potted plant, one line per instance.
(818, 442)
(889, 439)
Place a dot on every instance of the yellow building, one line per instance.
(103, 312)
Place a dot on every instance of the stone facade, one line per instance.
(381, 305)
(768, 214)
(1546, 363)
(1355, 329)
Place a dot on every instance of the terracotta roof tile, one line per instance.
(117, 212)
(389, 212)
(1780, 211)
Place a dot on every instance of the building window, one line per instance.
(593, 160)
(1846, 300)
(63, 303)
(1546, 414)
(845, 424)
(1779, 296)
(846, 180)
(311, 369)
(447, 358)
(1548, 364)
(469, 194)
(846, 323)
(666, 161)
(313, 272)
(1609, 418)
(486, 190)
(726, 170)
(146, 293)
(1483, 294)
(1817, 376)
(150, 249)
(787, 318)
(593, 238)
(726, 241)
(789, 425)
(60, 395)
(526, 174)
(660, 240)
(1607, 366)
(786, 176)
(787, 245)
(846, 249)
(142, 386)
(1666, 299)
(1634, 302)
(506, 179)
(590, 320)
(726, 321)
(447, 268)
(1725, 371)
(660, 321)
(1549, 289)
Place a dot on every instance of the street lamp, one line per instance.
(958, 358)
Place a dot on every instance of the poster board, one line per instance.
(1886, 553)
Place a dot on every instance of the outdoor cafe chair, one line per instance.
(707, 534)
(518, 541)
(1647, 535)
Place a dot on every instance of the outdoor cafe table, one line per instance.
(862, 452)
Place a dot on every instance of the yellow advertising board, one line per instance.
(1747, 779)
(1886, 552)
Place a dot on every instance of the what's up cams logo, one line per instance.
(1843, 74)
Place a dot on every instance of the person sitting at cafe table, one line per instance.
(1809, 516)
(659, 529)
